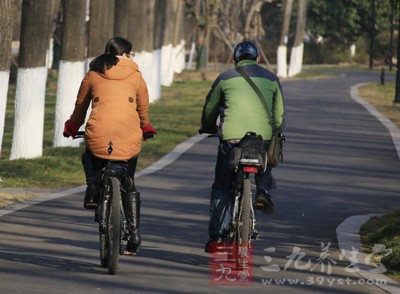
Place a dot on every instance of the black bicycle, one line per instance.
(113, 228)
(247, 158)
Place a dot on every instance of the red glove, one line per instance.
(148, 130)
(70, 128)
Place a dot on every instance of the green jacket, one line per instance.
(240, 110)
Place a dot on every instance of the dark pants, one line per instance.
(222, 198)
(93, 166)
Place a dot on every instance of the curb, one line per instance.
(51, 196)
(349, 243)
(171, 156)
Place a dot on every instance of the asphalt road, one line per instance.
(339, 162)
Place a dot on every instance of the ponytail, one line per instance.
(103, 62)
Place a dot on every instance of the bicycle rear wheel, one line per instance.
(113, 231)
(102, 234)
(245, 222)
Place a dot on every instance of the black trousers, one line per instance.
(93, 166)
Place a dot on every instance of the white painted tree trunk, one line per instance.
(148, 65)
(87, 62)
(156, 75)
(296, 60)
(4, 79)
(192, 51)
(352, 50)
(70, 75)
(50, 54)
(167, 65)
(29, 113)
(281, 63)
(179, 54)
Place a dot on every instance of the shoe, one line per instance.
(255, 235)
(131, 249)
(90, 197)
(264, 202)
(210, 247)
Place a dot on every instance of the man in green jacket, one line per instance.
(239, 109)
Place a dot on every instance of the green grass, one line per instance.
(385, 230)
(176, 116)
(382, 97)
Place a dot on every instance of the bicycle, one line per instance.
(248, 158)
(113, 227)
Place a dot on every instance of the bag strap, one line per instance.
(260, 96)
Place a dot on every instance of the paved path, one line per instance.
(339, 162)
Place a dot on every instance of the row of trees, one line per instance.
(228, 22)
(155, 27)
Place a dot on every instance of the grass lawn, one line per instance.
(384, 230)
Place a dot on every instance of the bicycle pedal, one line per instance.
(129, 253)
(90, 205)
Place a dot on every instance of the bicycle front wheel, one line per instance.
(113, 231)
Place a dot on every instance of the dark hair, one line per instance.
(115, 46)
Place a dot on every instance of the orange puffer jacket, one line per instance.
(120, 104)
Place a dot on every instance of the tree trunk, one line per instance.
(159, 24)
(282, 48)
(136, 33)
(121, 18)
(101, 27)
(142, 35)
(202, 36)
(31, 79)
(54, 9)
(173, 49)
(7, 15)
(296, 57)
(72, 66)
(179, 39)
(147, 61)
(252, 10)
(167, 62)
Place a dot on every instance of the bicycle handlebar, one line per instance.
(148, 135)
(203, 131)
(81, 134)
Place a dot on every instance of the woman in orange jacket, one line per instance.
(117, 122)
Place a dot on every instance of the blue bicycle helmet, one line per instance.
(245, 50)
